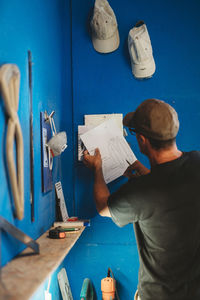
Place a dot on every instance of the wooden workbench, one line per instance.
(21, 277)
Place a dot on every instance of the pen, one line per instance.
(128, 162)
(67, 229)
(136, 172)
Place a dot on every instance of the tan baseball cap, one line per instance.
(105, 35)
(155, 119)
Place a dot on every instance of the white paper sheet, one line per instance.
(114, 149)
(92, 121)
(95, 120)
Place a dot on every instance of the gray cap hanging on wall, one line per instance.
(105, 35)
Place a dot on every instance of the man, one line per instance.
(163, 204)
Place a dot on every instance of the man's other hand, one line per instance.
(138, 168)
(92, 161)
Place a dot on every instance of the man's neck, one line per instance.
(164, 155)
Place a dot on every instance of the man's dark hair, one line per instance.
(158, 145)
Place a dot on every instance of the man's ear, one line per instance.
(141, 138)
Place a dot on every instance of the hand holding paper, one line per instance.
(114, 149)
(93, 161)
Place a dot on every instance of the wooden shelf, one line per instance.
(21, 277)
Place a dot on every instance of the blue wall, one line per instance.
(99, 84)
(105, 84)
(44, 28)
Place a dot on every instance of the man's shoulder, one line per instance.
(192, 156)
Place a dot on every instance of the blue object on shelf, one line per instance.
(87, 292)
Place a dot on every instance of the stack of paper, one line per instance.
(92, 121)
(115, 152)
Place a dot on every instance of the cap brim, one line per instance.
(144, 70)
(108, 45)
(128, 119)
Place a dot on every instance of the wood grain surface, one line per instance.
(21, 277)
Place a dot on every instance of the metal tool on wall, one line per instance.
(19, 235)
(31, 136)
(9, 83)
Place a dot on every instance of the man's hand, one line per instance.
(92, 161)
(138, 168)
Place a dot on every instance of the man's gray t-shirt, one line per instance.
(165, 207)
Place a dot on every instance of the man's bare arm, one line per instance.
(101, 192)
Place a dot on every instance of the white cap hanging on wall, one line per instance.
(105, 35)
(140, 50)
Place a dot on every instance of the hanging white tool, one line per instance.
(9, 82)
(58, 143)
